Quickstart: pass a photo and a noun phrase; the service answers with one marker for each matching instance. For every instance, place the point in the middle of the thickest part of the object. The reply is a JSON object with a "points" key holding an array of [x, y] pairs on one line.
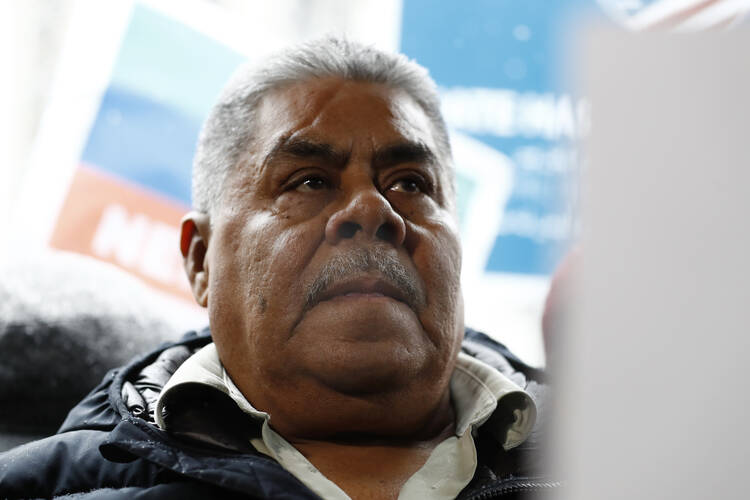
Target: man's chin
{"points": [[360, 352], [359, 318], [366, 369], [361, 346]]}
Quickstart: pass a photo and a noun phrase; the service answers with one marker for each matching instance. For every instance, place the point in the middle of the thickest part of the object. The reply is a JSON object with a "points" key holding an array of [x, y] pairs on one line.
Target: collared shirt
{"points": [[476, 388]]}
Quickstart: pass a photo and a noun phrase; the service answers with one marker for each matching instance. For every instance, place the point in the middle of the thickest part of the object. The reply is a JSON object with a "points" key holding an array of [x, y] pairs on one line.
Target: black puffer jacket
{"points": [[109, 447]]}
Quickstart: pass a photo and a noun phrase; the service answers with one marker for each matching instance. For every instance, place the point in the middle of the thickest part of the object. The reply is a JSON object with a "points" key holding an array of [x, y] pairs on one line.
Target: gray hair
{"points": [[229, 127]]}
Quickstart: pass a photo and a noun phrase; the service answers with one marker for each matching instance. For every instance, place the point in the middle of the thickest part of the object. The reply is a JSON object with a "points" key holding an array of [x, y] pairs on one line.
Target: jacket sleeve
{"points": [[177, 490], [64, 464]]}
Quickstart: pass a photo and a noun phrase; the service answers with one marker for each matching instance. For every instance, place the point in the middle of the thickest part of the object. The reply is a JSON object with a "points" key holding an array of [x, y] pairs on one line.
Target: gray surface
{"points": [[8, 441], [656, 399], [64, 321]]}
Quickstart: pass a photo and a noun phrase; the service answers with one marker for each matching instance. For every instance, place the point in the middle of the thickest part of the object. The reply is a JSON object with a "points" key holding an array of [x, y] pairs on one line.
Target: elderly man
{"points": [[324, 245]]}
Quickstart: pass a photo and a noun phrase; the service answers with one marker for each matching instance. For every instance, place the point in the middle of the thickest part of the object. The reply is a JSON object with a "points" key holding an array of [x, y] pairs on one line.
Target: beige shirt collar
{"points": [[476, 389]]}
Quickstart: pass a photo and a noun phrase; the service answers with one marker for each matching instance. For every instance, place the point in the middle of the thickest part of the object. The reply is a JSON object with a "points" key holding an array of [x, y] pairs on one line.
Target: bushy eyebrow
{"points": [[388, 156], [306, 149], [403, 152]]}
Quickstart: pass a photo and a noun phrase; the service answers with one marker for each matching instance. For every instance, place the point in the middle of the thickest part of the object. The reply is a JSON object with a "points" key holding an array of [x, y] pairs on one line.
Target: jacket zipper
{"points": [[515, 486]]}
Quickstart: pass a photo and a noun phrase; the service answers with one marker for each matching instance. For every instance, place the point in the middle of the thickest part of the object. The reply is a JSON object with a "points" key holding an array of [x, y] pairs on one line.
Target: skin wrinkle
{"points": [[300, 128]]}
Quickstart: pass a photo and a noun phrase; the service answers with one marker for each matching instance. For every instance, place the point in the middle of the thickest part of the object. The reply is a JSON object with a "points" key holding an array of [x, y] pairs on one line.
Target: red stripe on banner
{"points": [[125, 225], [681, 15]]}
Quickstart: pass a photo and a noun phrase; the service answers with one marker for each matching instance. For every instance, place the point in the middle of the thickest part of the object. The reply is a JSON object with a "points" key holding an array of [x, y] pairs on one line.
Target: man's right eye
{"points": [[312, 183]]}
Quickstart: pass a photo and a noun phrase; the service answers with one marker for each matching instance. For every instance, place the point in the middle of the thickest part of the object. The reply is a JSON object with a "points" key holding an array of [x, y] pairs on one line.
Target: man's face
{"points": [[333, 259]]}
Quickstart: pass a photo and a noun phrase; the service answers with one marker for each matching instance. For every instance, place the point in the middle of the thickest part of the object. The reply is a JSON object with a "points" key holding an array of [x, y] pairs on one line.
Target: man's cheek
{"points": [[284, 268], [288, 246], [439, 271], [442, 258]]}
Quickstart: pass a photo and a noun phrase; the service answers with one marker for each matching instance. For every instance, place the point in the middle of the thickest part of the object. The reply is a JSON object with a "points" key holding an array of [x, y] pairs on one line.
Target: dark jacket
{"points": [[109, 446]]}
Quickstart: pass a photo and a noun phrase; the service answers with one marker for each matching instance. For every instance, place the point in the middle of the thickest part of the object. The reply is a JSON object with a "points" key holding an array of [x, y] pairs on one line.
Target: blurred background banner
{"points": [[515, 122], [497, 63], [676, 15], [132, 184], [107, 101]]}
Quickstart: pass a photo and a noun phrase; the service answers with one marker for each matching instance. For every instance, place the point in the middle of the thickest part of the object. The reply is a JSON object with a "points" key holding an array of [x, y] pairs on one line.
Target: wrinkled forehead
{"points": [[344, 113]]}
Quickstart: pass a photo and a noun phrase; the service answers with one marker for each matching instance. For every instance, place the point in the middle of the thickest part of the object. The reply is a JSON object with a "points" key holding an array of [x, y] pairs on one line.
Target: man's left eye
{"points": [[407, 186]]}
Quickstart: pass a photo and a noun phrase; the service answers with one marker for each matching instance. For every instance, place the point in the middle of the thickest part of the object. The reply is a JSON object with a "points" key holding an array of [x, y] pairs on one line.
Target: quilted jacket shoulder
{"points": [[108, 446]]}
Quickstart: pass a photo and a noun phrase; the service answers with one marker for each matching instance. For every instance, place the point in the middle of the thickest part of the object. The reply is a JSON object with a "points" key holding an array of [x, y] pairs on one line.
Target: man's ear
{"points": [[194, 237]]}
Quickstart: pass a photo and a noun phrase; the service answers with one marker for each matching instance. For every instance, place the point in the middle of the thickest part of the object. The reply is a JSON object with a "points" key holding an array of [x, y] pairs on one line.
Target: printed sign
{"points": [[498, 67], [132, 185], [676, 15]]}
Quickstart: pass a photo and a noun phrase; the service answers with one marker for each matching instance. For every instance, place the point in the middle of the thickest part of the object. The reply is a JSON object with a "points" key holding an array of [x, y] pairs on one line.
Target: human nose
{"points": [[369, 214]]}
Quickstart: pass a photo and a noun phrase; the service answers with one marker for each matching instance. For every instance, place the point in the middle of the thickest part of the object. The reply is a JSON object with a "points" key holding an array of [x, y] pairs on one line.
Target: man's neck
{"points": [[371, 468]]}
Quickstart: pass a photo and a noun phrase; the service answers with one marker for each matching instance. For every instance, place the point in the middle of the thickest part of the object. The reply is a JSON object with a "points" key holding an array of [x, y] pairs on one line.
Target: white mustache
{"points": [[362, 260]]}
